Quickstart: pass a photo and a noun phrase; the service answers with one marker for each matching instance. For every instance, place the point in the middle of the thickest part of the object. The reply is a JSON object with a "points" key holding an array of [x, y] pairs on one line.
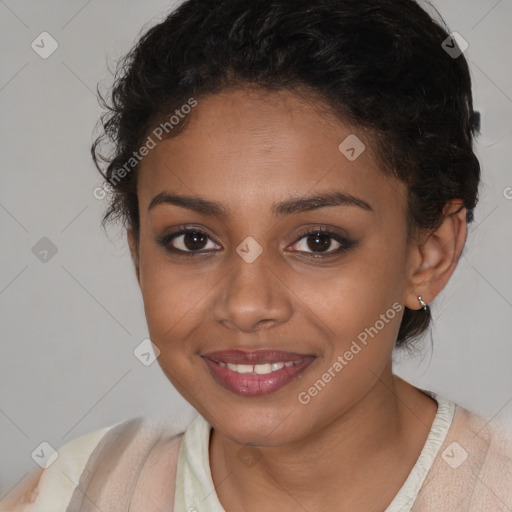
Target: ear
{"points": [[433, 256], [134, 251]]}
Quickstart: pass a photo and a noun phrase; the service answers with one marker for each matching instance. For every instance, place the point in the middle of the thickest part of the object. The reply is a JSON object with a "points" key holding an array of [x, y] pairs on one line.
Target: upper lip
{"points": [[254, 357]]}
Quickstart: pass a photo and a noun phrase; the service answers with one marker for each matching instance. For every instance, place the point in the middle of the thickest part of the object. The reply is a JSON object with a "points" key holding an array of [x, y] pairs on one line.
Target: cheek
{"points": [[173, 296], [173, 299], [353, 295], [360, 308], [360, 311]]}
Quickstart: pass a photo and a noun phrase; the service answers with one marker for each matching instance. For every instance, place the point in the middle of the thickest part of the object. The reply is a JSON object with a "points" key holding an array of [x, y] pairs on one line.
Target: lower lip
{"points": [[247, 384]]}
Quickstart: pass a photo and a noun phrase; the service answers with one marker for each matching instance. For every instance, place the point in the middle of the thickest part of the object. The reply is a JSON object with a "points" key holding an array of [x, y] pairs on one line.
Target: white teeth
{"points": [[263, 369], [258, 369], [242, 368]]}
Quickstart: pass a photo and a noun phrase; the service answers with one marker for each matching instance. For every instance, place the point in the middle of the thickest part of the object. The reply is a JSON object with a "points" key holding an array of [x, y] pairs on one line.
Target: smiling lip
{"points": [[251, 384]]}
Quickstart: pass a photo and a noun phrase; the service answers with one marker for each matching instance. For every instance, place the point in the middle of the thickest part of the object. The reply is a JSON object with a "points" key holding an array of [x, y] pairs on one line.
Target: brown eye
{"points": [[187, 241], [318, 243], [193, 240]]}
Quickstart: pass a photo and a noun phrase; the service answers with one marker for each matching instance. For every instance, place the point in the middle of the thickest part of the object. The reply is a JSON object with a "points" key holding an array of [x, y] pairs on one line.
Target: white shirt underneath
{"points": [[195, 490]]}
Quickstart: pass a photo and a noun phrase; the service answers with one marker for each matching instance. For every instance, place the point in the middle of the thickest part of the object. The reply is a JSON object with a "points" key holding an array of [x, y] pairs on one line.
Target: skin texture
{"points": [[352, 446]]}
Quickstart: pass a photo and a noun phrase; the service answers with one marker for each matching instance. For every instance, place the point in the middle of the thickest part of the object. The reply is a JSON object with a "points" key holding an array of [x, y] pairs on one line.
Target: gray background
{"points": [[70, 324]]}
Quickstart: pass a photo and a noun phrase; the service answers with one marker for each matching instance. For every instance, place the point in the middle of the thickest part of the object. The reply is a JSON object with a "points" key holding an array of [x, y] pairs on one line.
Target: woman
{"points": [[296, 180]]}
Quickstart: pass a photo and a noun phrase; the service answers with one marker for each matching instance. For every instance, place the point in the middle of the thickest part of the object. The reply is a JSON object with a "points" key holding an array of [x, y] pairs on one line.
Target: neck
{"points": [[389, 423]]}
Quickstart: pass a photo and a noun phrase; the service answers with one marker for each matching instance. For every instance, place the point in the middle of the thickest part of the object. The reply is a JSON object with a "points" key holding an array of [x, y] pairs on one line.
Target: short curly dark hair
{"points": [[381, 65]]}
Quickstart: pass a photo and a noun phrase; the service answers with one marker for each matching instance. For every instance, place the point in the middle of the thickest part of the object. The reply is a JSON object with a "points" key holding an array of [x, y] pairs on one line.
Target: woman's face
{"points": [[259, 282]]}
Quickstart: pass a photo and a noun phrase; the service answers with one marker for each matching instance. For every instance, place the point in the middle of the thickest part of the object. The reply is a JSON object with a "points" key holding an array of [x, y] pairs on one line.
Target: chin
{"points": [[258, 428]]}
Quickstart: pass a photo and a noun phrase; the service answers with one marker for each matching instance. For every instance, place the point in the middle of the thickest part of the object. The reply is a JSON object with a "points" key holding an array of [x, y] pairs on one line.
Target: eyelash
{"points": [[345, 243]]}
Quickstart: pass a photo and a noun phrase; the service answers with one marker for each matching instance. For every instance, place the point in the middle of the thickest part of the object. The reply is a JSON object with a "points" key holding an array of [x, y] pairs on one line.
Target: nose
{"points": [[252, 296]]}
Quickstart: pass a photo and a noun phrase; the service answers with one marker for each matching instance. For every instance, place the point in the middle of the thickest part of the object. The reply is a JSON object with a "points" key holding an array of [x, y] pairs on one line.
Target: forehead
{"points": [[246, 146]]}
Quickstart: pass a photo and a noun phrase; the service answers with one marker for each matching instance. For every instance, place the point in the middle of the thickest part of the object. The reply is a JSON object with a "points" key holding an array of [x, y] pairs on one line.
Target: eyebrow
{"points": [[280, 209]]}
